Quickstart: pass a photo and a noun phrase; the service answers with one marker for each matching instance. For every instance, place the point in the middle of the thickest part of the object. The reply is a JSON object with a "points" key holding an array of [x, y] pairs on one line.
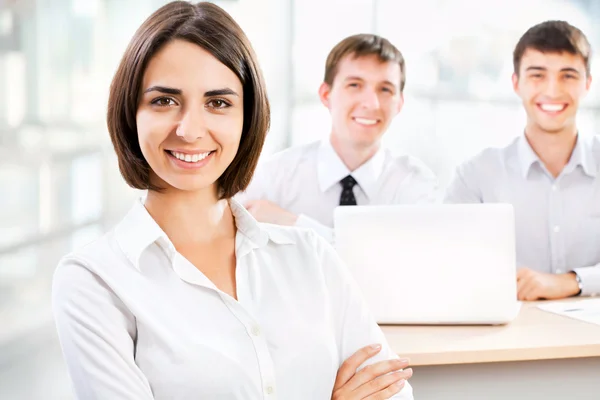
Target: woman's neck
{"points": [[191, 217]]}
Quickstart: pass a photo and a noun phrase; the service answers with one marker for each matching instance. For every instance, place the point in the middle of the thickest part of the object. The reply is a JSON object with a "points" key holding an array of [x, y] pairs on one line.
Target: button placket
{"points": [[554, 208], [255, 332]]}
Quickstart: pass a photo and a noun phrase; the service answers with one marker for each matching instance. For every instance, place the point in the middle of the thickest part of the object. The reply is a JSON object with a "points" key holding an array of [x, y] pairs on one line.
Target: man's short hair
{"points": [[553, 37], [362, 45]]}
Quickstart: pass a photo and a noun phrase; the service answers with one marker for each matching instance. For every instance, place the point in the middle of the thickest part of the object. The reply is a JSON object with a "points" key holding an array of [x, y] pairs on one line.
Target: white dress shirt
{"points": [[557, 220], [306, 181], [136, 320]]}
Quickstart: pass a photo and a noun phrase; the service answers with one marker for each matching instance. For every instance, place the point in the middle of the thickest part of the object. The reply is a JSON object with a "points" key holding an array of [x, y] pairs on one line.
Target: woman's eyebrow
{"points": [[163, 89]]}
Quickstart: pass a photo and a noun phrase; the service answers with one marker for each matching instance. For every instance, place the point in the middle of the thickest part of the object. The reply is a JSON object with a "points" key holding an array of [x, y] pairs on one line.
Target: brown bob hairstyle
{"points": [[210, 27]]}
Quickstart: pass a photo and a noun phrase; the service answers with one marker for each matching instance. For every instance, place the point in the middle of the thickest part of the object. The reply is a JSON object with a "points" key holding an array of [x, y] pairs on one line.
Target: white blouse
{"points": [[136, 320]]}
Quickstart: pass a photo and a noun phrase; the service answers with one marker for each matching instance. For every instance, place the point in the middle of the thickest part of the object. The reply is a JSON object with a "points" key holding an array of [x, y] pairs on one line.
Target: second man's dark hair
{"points": [[553, 37]]}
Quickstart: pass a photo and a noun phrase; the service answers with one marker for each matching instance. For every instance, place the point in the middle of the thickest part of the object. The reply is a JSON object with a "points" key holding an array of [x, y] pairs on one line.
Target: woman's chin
{"points": [[190, 184]]}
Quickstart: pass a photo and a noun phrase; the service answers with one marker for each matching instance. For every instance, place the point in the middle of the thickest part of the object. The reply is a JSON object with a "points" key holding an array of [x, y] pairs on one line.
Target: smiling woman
{"points": [[207, 117], [151, 93], [189, 296]]}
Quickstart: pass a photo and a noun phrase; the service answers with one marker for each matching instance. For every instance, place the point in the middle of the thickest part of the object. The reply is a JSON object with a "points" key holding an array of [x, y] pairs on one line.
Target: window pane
{"points": [[318, 26], [449, 52]]}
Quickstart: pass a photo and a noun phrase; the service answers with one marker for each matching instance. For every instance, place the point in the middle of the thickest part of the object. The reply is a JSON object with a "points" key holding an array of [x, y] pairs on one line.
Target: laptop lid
{"points": [[432, 264]]}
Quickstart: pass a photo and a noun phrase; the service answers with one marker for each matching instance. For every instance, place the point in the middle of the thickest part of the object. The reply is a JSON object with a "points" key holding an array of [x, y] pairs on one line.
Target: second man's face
{"points": [[551, 85], [363, 100]]}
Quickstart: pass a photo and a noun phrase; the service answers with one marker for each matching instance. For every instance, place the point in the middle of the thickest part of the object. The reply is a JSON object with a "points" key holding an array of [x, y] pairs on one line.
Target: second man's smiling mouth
{"points": [[365, 121], [552, 108]]}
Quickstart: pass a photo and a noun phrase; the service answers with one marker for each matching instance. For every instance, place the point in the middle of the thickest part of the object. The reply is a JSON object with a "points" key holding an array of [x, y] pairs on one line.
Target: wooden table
{"points": [[539, 355]]}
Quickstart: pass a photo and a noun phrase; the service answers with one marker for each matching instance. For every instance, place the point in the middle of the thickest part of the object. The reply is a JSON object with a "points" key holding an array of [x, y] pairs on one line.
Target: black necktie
{"points": [[347, 198]]}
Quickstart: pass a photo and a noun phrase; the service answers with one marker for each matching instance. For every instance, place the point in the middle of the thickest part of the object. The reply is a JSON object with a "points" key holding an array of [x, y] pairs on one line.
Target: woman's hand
{"points": [[378, 381]]}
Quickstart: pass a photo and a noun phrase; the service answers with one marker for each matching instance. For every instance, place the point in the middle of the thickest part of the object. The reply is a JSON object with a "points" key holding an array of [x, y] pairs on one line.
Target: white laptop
{"points": [[432, 264]]}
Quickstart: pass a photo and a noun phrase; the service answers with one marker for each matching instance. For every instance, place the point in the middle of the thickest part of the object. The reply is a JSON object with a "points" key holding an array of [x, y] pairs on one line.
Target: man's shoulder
{"points": [[292, 155], [493, 156], [407, 163]]}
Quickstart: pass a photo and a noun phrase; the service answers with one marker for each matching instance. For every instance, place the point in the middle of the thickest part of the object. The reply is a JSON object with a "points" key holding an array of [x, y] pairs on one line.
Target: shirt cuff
{"points": [[590, 280], [305, 221]]}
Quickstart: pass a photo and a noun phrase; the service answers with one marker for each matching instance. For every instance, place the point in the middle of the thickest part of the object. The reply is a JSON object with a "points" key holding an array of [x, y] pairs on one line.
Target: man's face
{"points": [[363, 100], [551, 85]]}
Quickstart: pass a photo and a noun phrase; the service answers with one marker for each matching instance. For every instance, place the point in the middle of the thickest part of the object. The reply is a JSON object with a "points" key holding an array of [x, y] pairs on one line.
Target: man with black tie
{"points": [[363, 90]]}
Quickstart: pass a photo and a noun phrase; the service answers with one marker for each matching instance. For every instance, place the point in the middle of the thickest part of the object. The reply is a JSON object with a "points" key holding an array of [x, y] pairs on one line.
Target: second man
{"points": [[363, 91]]}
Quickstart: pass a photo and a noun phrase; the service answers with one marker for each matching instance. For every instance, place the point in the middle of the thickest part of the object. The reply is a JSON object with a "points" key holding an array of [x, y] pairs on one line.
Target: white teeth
{"points": [[365, 121], [191, 158], [552, 107]]}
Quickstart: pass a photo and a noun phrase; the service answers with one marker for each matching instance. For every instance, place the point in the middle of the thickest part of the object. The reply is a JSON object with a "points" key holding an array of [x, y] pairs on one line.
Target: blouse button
{"points": [[255, 330]]}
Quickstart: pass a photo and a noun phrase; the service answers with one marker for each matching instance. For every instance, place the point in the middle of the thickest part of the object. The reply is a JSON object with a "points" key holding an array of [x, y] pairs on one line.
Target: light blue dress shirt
{"points": [[557, 219]]}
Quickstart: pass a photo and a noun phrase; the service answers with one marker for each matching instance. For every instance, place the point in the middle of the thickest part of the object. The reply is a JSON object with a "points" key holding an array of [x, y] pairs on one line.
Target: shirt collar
{"points": [[331, 169], [138, 230], [255, 235], [582, 155]]}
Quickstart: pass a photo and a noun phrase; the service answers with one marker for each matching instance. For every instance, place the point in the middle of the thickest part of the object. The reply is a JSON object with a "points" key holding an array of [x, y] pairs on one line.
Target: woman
{"points": [[188, 296]]}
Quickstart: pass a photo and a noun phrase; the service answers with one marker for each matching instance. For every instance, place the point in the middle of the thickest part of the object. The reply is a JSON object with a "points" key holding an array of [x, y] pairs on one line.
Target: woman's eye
{"points": [[164, 102], [218, 104]]}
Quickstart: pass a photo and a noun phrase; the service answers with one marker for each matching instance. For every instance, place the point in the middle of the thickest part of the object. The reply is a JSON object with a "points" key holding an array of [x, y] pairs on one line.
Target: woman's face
{"points": [[189, 118]]}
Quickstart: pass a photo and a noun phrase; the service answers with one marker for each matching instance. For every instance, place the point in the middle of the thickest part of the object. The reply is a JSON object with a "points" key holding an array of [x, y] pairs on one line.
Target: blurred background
{"points": [[59, 182]]}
